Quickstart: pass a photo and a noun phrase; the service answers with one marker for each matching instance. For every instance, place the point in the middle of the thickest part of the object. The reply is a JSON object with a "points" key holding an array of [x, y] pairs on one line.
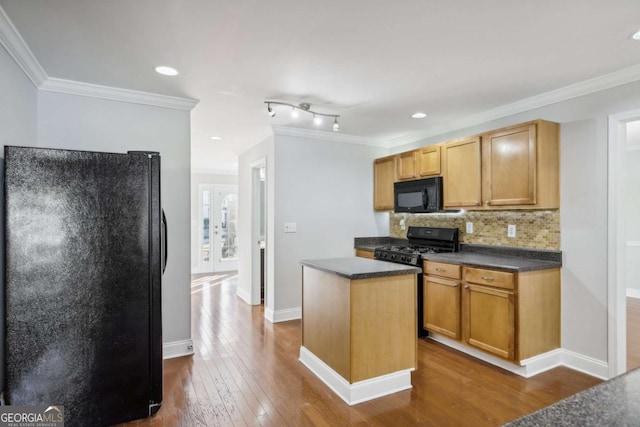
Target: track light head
{"points": [[317, 120], [336, 125], [294, 113], [270, 110]]}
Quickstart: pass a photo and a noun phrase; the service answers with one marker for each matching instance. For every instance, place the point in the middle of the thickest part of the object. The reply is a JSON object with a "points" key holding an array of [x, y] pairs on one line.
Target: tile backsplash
{"points": [[536, 229]]}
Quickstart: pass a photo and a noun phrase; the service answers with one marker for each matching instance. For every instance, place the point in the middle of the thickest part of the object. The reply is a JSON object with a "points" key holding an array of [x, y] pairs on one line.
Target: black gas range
{"points": [[422, 241]]}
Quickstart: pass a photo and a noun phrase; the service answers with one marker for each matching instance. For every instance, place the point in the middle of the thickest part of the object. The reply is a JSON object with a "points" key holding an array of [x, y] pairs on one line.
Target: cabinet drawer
{"points": [[364, 253], [499, 279], [451, 271]]}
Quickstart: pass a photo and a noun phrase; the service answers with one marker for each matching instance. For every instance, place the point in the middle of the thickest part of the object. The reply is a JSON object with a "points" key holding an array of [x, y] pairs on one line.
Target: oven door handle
{"points": [[425, 198]]}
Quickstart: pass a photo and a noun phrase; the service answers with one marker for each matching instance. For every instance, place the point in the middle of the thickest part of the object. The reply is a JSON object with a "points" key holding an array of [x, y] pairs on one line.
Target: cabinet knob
{"points": [[487, 278], [466, 286], [478, 203], [455, 285], [440, 269], [487, 202]]}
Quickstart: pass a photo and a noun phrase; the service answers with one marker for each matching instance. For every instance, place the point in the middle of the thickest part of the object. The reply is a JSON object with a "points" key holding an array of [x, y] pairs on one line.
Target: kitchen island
{"points": [[359, 325]]}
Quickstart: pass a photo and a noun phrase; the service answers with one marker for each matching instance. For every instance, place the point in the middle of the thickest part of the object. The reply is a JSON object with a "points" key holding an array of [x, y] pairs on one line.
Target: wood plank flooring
{"points": [[633, 333], [246, 373]]}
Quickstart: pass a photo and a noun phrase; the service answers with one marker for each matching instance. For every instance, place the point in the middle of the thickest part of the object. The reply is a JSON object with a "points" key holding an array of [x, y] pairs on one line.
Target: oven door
{"points": [[420, 196]]}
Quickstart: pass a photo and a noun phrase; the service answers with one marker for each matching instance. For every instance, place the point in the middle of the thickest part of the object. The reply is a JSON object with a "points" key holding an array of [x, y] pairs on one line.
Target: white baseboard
{"points": [[177, 349], [361, 391], [244, 295], [534, 365], [633, 293], [283, 315]]}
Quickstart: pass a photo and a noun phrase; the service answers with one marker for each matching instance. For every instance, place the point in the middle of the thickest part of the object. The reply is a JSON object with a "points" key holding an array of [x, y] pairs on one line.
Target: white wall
{"points": [[247, 246], [583, 207], [83, 123], [196, 180]]}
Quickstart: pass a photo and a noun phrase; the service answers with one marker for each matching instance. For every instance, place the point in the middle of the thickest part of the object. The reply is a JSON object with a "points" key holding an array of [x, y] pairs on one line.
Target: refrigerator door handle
{"points": [[165, 240]]}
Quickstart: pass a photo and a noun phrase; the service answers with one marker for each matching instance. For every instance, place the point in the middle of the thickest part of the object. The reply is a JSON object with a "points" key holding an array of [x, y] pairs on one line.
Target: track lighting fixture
{"points": [[317, 117]]}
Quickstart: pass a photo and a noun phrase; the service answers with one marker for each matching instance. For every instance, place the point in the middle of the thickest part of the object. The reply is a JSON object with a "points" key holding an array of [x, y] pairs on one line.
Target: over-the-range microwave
{"points": [[419, 196]]}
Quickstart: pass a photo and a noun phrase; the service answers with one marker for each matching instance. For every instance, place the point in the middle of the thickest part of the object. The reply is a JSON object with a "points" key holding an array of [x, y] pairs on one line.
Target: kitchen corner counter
{"points": [[612, 403], [354, 268], [509, 263]]}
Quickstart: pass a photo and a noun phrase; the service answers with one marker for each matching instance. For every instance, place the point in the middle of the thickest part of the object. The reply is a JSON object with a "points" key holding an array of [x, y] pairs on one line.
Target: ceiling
{"points": [[373, 62]]}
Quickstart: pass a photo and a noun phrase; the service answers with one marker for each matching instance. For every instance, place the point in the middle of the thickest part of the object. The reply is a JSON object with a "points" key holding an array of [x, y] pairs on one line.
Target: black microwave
{"points": [[419, 196]]}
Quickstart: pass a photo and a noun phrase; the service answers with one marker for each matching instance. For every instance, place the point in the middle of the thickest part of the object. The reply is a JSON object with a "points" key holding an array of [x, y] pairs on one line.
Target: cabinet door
{"points": [[442, 306], [429, 161], [509, 166], [384, 174], [407, 165], [489, 320], [462, 185]]}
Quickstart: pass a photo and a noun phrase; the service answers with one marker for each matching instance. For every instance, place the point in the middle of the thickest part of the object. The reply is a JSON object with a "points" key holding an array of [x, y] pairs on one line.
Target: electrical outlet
{"points": [[469, 227], [289, 227], [402, 224], [511, 230]]}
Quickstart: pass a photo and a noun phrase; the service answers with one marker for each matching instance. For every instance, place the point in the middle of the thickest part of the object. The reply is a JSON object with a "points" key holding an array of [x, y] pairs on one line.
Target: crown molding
{"points": [[327, 136], [585, 87], [17, 48], [53, 84]]}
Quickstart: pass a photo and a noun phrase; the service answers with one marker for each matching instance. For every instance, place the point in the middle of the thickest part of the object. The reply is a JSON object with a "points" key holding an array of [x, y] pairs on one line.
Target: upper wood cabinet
{"points": [[520, 166], [461, 173], [429, 161], [407, 165], [384, 175]]}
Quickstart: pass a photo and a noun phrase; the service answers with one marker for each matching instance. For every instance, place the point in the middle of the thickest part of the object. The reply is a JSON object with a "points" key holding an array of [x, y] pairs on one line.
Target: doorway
{"points": [[217, 219], [259, 293], [624, 242]]}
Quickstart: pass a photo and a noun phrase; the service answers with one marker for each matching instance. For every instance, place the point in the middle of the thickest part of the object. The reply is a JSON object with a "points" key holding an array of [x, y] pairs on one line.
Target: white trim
{"points": [[327, 136], [585, 87], [534, 365], [588, 365], [282, 315], [361, 391], [15, 45], [177, 349], [633, 243], [244, 295], [53, 84], [633, 293]]}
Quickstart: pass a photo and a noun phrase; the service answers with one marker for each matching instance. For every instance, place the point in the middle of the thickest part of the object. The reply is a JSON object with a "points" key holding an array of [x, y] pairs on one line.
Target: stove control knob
{"points": [[393, 256]]}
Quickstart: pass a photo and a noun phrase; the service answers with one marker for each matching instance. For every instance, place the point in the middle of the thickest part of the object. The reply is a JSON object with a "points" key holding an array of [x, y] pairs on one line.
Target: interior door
{"points": [[224, 220]]}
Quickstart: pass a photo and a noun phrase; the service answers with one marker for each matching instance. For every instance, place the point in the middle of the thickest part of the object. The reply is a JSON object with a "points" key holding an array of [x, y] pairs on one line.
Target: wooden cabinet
{"points": [[511, 315], [364, 253], [407, 165], [520, 166], [384, 175], [489, 313], [461, 173], [442, 299], [429, 161]]}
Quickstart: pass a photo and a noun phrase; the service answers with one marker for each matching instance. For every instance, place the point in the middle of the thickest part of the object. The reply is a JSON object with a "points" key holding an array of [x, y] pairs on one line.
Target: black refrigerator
{"points": [[85, 249]]}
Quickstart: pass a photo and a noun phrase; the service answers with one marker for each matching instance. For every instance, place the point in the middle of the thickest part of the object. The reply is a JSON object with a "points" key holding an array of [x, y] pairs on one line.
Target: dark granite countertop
{"points": [[509, 263], [360, 268], [371, 243], [612, 403]]}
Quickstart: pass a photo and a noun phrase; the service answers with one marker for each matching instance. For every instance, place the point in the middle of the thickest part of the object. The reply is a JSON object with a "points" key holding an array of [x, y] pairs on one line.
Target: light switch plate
{"points": [[289, 227], [511, 230], [402, 224], [469, 227]]}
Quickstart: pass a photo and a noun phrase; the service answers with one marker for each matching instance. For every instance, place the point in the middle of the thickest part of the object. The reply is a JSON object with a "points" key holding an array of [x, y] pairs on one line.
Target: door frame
{"points": [[255, 237], [231, 265], [209, 268], [616, 274]]}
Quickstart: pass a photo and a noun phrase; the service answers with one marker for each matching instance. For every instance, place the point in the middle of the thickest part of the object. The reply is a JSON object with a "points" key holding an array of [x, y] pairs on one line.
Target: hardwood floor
{"points": [[246, 373], [633, 333]]}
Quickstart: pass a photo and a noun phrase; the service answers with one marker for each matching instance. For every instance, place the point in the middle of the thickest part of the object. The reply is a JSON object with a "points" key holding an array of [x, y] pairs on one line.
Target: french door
{"points": [[218, 219]]}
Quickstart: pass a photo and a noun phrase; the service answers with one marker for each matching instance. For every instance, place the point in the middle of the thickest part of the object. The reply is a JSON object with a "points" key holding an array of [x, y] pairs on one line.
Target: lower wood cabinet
{"points": [[512, 315]]}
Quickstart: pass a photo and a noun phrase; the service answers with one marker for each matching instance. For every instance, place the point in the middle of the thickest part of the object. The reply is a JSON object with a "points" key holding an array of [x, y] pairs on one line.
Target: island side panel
{"points": [[325, 318], [383, 326]]}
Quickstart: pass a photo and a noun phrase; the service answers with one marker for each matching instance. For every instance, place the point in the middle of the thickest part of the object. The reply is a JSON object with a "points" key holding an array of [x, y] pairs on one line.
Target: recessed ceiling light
{"points": [[166, 71], [419, 115], [636, 35], [215, 138]]}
